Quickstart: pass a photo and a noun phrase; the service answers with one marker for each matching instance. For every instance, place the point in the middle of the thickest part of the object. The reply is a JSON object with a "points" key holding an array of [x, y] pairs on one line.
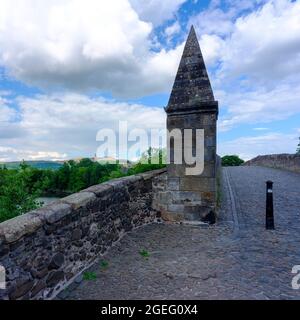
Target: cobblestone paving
{"points": [[235, 259]]}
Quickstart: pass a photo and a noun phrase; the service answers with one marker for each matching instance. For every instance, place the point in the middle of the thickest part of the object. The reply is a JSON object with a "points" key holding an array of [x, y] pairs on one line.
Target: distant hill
{"points": [[35, 164], [112, 160], [44, 164]]}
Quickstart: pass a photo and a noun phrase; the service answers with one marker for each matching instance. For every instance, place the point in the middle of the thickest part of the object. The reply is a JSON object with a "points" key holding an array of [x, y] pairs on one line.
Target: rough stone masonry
{"points": [[191, 106], [44, 250], [290, 162]]}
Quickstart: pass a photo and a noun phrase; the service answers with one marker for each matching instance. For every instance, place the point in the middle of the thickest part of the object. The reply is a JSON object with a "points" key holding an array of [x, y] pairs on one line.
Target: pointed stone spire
{"points": [[192, 85]]}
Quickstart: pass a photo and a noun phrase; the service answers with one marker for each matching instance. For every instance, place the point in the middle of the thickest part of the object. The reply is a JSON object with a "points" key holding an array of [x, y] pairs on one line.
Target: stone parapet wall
{"points": [[44, 250], [289, 162]]}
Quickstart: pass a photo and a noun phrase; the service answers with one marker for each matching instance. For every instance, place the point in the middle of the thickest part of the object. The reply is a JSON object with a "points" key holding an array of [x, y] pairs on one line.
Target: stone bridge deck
{"points": [[235, 259]]}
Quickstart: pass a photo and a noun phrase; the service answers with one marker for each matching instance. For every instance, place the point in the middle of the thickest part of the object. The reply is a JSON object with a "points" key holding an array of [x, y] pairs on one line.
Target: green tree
{"points": [[232, 161], [154, 156], [113, 171], [21, 186], [15, 198], [63, 176], [298, 147], [78, 179]]}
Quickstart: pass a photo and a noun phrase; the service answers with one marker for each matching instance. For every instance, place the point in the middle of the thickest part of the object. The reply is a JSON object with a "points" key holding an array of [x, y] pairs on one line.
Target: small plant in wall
{"points": [[144, 253], [104, 265], [89, 275]]}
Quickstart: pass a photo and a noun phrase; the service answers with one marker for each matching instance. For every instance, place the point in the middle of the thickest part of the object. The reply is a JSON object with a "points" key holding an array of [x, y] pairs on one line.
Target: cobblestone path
{"points": [[234, 259]]}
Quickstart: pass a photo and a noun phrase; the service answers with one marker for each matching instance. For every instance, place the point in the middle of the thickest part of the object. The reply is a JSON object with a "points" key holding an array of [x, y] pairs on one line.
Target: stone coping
{"points": [[194, 107], [20, 226], [274, 157], [290, 162]]}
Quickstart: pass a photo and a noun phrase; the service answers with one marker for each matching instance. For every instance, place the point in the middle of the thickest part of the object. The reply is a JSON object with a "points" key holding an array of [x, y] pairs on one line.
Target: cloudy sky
{"points": [[71, 67]]}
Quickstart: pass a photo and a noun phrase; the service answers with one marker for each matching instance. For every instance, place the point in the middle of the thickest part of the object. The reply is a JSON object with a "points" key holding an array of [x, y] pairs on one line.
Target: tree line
{"points": [[20, 188]]}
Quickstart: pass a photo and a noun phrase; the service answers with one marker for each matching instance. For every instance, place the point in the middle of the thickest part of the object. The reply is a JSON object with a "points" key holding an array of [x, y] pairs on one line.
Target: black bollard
{"points": [[269, 207]]}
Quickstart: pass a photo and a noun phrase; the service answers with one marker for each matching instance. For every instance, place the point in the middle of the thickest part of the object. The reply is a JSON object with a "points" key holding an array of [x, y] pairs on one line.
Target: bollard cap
{"points": [[269, 183]]}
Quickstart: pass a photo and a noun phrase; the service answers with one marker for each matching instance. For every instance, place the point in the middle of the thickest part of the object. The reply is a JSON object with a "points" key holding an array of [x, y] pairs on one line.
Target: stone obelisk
{"points": [[192, 106]]}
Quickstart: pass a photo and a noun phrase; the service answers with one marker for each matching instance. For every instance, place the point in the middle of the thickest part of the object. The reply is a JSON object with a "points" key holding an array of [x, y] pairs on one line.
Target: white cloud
{"points": [[85, 45], [6, 113], [249, 147], [260, 129], [212, 48], [260, 39], [253, 51], [219, 19], [65, 126], [214, 21], [9, 154], [156, 11], [40, 155], [172, 30], [265, 45], [260, 106]]}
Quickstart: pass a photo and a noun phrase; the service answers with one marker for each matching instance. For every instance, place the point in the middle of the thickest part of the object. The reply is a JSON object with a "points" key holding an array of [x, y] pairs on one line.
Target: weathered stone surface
{"points": [[210, 141], [54, 212], [21, 288], [44, 249], [39, 274], [57, 261], [176, 208], [4, 249], [210, 169], [100, 189], [197, 211], [76, 234], [192, 82], [172, 216], [176, 170], [208, 197], [15, 228], [209, 155], [40, 285], [152, 174], [79, 279], [185, 197], [54, 277], [162, 197], [79, 200], [192, 121], [173, 184], [131, 179], [198, 184], [117, 184], [289, 162]]}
